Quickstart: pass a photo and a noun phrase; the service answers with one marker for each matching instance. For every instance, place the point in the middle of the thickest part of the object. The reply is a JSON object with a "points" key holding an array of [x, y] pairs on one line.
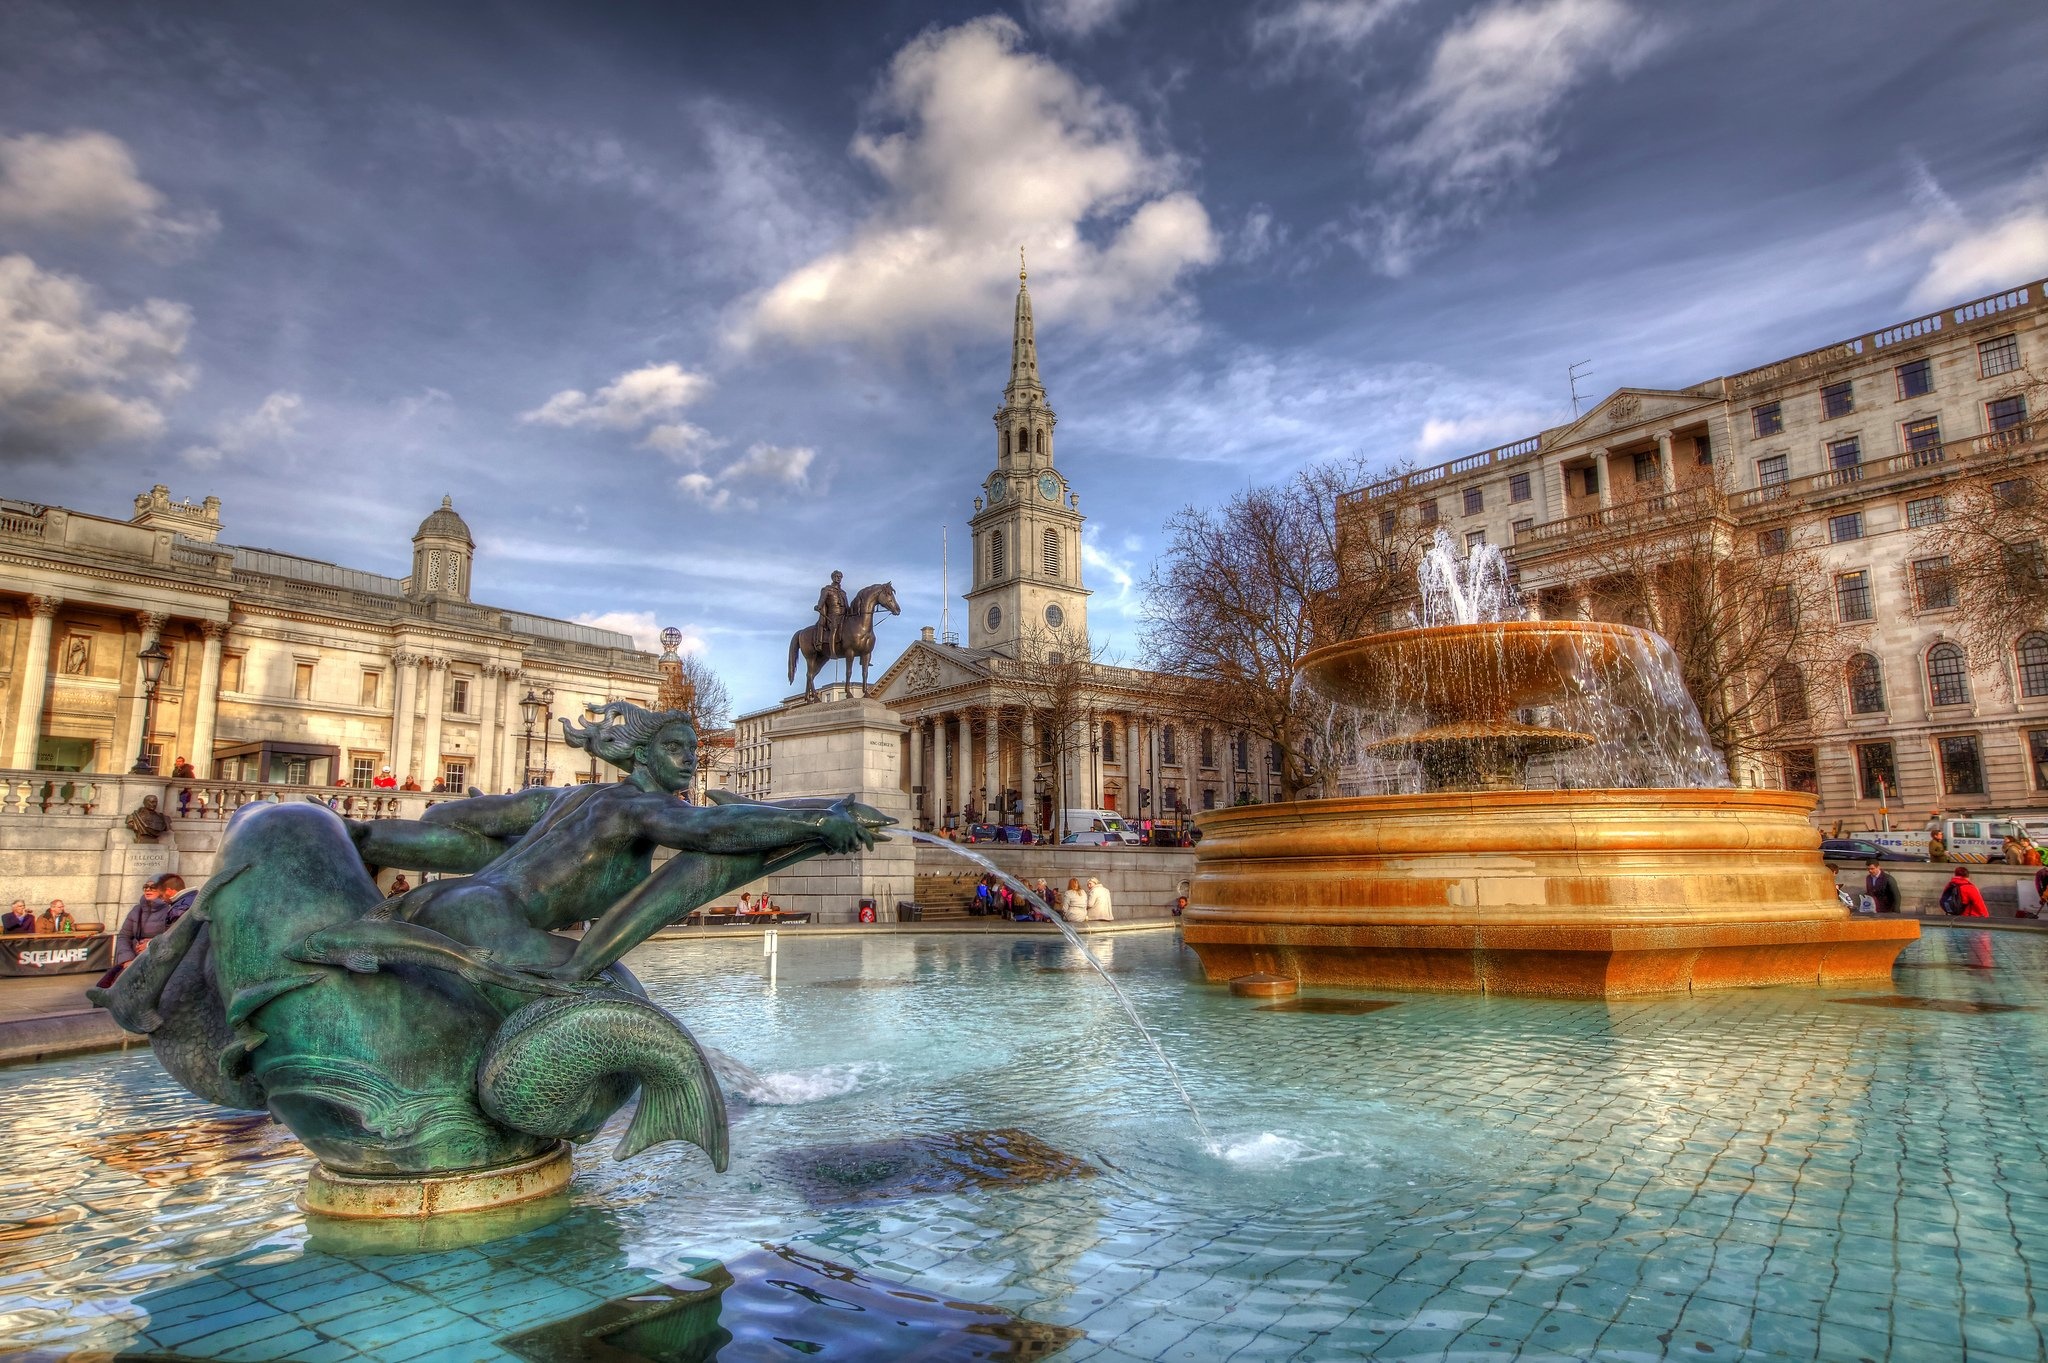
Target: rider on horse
{"points": [[831, 610]]}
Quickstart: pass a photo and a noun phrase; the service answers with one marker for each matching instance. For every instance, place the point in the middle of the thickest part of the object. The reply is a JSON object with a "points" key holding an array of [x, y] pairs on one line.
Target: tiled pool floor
{"points": [[1768, 1174]]}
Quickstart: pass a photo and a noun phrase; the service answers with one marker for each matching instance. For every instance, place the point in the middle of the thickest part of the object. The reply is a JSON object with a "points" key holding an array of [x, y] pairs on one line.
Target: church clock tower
{"points": [[1027, 522]]}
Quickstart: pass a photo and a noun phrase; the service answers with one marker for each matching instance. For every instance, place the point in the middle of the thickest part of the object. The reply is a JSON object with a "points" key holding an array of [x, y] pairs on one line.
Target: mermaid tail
{"points": [[560, 1066]]}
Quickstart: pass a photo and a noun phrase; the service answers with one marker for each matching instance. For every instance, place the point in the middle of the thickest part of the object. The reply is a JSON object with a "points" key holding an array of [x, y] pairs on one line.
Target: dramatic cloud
{"points": [[982, 147], [274, 422], [73, 375], [647, 402], [1305, 31], [1971, 253], [762, 469], [1483, 118], [86, 181]]}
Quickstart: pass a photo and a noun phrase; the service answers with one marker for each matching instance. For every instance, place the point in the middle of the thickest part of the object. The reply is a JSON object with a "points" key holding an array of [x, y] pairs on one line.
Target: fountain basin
{"points": [[1476, 671], [1578, 893]]}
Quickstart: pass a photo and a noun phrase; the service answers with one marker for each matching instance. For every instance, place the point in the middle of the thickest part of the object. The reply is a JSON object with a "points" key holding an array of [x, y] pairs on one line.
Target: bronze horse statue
{"points": [[856, 638]]}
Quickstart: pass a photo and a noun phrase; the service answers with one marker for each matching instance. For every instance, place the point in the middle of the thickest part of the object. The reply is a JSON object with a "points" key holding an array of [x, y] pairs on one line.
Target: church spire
{"points": [[1024, 384]]}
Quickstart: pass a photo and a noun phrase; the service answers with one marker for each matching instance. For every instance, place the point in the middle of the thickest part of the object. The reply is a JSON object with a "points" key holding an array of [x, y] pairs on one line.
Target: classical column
{"points": [[963, 774], [206, 705], [152, 624], [404, 691], [484, 778], [916, 769], [1027, 764], [35, 674], [1606, 480], [992, 765], [1665, 465], [437, 701], [939, 782]]}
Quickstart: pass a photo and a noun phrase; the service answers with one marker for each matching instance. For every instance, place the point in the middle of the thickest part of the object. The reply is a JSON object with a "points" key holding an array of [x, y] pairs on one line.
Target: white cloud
{"points": [[1975, 253], [644, 628], [88, 180], [1308, 30], [73, 375], [1077, 18], [274, 422], [1483, 118], [647, 400], [1104, 562], [1479, 431], [763, 468], [981, 147]]}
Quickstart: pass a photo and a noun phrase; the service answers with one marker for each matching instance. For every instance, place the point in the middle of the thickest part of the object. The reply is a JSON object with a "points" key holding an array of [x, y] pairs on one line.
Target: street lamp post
{"points": [[153, 659], [529, 713], [547, 722]]}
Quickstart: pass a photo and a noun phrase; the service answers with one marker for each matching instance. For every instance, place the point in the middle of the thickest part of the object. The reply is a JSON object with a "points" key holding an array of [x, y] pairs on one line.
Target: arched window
{"points": [[1866, 685], [1108, 741], [2034, 665], [1051, 554], [1041, 442], [1948, 676], [995, 555]]}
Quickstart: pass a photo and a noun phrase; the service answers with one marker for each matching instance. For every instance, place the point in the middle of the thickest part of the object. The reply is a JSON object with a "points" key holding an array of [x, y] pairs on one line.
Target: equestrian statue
{"points": [[845, 630]]}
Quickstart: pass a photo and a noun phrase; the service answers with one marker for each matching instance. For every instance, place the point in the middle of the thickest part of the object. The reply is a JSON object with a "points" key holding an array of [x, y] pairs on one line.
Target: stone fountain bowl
{"points": [[1471, 672], [1572, 893]]}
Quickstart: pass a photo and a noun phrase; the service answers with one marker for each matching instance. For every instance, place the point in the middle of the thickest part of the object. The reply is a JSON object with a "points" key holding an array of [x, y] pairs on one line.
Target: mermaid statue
{"points": [[455, 1029]]}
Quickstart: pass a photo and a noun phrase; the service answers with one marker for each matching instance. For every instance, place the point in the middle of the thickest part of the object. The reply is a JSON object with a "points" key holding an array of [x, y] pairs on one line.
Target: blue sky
{"points": [[688, 304]]}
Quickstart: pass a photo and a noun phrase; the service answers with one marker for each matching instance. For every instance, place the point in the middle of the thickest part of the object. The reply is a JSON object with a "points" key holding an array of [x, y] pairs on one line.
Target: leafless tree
{"points": [[688, 684], [1245, 591], [1056, 677]]}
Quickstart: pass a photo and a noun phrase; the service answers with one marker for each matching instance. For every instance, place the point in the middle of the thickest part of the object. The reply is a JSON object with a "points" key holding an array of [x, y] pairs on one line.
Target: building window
{"points": [[2033, 653], [373, 686], [1771, 471], [1590, 480], [1387, 522], [1852, 596], [1475, 500], [1837, 399], [1772, 541], [1916, 379], [1845, 454], [1473, 539], [1788, 694], [1876, 777], [1208, 797], [1800, 771], [1948, 675], [1049, 553], [1426, 511], [2007, 493], [302, 681], [1273, 756], [458, 696], [1208, 747], [1168, 752], [996, 561], [1962, 765], [1523, 527], [361, 771], [231, 667], [1934, 587], [1922, 435], [1768, 419], [1241, 752], [1518, 487], [2037, 750], [1646, 466], [1999, 355], [1848, 526], [455, 775], [1866, 685], [1108, 741], [1703, 451], [2005, 413], [1921, 511], [1779, 611]]}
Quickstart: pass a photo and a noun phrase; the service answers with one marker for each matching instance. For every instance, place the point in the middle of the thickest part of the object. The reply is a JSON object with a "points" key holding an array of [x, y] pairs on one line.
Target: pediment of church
{"points": [[1627, 412], [926, 668]]}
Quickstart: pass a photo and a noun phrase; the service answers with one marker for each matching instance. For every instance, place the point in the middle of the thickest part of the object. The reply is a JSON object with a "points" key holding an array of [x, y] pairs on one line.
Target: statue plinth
{"points": [[361, 1197], [844, 744]]}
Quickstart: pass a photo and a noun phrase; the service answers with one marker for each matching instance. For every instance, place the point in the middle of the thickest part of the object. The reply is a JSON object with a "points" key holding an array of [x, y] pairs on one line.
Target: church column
{"points": [[939, 758], [134, 740], [206, 706], [1027, 765], [991, 764], [404, 688], [917, 770], [430, 755], [963, 771], [35, 674]]}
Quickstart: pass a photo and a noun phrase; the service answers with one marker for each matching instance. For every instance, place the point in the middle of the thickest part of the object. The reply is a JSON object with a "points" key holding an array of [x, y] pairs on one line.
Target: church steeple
{"points": [[1024, 423], [1024, 388]]}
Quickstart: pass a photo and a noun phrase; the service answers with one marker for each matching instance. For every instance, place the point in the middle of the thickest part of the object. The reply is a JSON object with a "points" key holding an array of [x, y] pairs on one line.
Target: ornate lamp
{"points": [[152, 659]]}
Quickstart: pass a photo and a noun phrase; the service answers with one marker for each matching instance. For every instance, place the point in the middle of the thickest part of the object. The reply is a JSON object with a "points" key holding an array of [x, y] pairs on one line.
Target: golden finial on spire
{"points": [[1020, 265]]}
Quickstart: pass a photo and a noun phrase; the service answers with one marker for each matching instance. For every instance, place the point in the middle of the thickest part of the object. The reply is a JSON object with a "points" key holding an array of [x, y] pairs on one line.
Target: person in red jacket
{"points": [[1973, 899]]}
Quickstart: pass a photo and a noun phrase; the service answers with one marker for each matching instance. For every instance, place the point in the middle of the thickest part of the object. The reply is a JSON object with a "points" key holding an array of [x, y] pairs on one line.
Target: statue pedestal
{"points": [[844, 745], [360, 1197]]}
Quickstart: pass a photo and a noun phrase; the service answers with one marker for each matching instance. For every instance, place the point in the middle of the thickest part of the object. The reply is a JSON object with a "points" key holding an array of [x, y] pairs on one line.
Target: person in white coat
{"points": [[1098, 901], [1073, 905]]}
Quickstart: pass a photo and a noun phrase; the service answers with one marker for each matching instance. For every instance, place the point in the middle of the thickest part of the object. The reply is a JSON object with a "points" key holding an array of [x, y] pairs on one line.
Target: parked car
{"points": [[1860, 849], [1092, 838]]}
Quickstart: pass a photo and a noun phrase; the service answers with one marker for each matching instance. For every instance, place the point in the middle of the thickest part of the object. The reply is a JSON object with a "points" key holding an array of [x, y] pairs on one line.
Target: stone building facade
{"points": [[281, 668], [1844, 450]]}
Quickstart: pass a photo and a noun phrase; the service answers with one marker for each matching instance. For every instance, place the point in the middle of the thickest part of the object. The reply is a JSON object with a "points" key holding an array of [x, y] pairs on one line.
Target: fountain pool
{"points": [[962, 1148]]}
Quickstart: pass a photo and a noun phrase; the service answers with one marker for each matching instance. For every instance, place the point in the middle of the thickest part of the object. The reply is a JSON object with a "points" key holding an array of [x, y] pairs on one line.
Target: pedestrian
{"points": [[1961, 899], [56, 918], [1074, 904], [386, 781], [150, 917], [1098, 901], [400, 885], [440, 785], [1882, 889], [181, 770], [982, 896], [2040, 889], [2013, 849], [1180, 905], [411, 783], [17, 918], [184, 802]]}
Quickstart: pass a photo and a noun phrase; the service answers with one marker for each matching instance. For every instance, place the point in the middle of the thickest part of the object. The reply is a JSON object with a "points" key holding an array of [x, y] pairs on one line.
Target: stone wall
{"points": [[2005, 891], [1143, 881]]}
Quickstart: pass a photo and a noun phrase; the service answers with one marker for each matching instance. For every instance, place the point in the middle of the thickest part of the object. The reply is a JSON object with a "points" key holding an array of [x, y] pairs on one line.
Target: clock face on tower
{"points": [[1049, 487], [997, 490]]}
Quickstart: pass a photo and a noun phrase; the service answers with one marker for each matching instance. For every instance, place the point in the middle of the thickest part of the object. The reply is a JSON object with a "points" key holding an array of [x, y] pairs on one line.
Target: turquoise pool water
{"points": [[1806, 1174]]}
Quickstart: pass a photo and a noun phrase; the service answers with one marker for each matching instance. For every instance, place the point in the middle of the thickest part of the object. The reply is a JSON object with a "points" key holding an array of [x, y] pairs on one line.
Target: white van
{"points": [[1972, 840], [1106, 821]]}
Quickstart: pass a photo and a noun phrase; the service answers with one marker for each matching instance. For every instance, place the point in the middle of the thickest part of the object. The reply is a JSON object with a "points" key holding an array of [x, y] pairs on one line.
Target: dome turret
{"points": [[441, 552]]}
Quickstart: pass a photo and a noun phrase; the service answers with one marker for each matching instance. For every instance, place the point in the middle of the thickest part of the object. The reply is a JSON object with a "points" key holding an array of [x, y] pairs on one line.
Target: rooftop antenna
{"points": [[1573, 373]]}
